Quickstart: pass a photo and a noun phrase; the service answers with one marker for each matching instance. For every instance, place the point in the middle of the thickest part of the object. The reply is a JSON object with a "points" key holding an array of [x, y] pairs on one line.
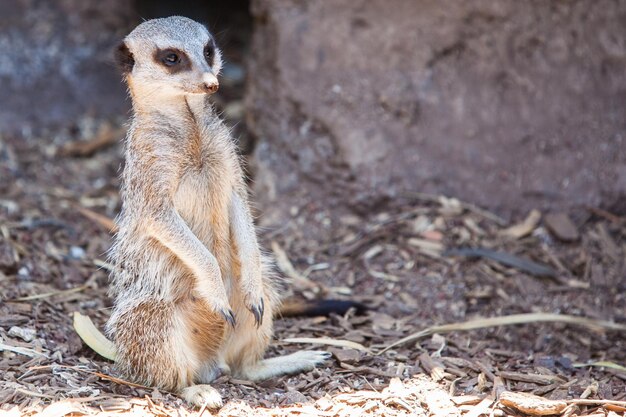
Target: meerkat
{"points": [[193, 294]]}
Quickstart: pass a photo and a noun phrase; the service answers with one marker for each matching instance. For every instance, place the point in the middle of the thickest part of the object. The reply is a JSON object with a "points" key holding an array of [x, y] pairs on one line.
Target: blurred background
{"points": [[509, 105], [435, 159]]}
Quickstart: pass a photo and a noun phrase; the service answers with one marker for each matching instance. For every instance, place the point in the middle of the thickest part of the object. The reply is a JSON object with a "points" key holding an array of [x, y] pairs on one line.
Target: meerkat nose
{"points": [[210, 83], [210, 87]]}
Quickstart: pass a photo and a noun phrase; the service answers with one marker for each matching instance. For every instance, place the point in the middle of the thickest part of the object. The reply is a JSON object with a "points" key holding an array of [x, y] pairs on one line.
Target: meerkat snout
{"points": [[210, 83]]}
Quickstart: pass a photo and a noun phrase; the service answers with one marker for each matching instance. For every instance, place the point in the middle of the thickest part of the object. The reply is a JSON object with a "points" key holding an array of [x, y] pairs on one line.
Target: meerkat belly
{"points": [[203, 204]]}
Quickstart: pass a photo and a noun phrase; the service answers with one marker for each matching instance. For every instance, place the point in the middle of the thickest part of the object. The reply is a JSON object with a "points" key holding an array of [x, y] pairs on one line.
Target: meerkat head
{"points": [[173, 55]]}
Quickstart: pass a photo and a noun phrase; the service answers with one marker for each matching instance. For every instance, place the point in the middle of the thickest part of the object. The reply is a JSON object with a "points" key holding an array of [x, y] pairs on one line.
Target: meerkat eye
{"points": [[174, 60], [208, 54], [171, 59]]}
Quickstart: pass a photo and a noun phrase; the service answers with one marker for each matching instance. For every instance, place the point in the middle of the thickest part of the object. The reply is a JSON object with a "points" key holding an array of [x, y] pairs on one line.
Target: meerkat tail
{"points": [[313, 308]]}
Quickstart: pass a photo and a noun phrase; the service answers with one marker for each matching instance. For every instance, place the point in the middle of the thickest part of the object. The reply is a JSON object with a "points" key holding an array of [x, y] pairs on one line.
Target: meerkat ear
{"points": [[124, 58]]}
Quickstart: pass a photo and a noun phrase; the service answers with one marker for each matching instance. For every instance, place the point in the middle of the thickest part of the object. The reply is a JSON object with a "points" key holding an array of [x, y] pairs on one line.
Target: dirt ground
{"points": [[399, 260]]}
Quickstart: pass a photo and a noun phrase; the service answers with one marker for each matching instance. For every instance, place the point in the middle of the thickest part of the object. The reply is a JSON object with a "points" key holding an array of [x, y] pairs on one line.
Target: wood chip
{"points": [[349, 356], [466, 399], [435, 368], [531, 404], [482, 408], [533, 378]]}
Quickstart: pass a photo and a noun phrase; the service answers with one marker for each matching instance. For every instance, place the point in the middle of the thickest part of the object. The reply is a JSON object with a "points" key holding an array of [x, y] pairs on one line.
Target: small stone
{"points": [[23, 333], [562, 227], [77, 252], [23, 272], [565, 362], [295, 397], [156, 395]]}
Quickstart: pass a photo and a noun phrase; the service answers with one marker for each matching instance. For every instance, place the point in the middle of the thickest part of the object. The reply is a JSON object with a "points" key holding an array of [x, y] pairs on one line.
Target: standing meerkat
{"points": [[193, 295]]}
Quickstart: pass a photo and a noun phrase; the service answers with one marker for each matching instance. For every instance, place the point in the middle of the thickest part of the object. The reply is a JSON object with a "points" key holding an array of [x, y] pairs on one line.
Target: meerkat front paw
{"points": [[217, 301], [255, 303], [257, 310], [200, 395], [229, 317], [252, 290]]}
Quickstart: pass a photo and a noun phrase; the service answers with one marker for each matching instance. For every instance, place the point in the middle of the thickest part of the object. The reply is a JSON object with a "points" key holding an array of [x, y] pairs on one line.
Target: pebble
{"points": [[23, 333], [562, 227], [295, 397], [77, 252]]}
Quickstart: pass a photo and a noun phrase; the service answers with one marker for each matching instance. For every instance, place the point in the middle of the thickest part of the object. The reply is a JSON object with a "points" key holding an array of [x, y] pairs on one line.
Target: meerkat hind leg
{"points": [[304, 360]]}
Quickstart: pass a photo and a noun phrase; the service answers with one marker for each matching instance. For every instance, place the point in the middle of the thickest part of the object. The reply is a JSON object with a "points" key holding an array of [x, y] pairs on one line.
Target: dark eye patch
{"points": [[174, 60], [209, 52]]}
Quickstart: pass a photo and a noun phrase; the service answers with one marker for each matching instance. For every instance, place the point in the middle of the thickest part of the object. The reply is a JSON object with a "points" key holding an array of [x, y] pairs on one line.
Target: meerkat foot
{"points": [[304, 360], [200, 395]]}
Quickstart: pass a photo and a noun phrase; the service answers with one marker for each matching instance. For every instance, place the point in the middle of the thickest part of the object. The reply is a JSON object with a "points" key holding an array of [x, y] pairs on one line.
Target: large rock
{"points": [[56, 62], [511, 105]]}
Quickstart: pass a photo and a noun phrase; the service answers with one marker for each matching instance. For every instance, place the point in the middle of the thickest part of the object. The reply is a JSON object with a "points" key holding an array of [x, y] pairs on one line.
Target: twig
{"points": [[98, 218], [51, 294], [22, 351], [482, 323], [106, 136], [596, 402]]}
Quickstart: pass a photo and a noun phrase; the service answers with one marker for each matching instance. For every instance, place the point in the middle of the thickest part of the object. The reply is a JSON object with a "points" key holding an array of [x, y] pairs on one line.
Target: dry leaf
{"points": [[93, 337], [328, 342], [601, 364], [285, 265], [524, 228]]}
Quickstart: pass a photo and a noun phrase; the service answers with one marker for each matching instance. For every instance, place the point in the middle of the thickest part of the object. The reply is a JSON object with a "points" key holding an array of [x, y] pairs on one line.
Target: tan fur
{"points": [[186, 254]]}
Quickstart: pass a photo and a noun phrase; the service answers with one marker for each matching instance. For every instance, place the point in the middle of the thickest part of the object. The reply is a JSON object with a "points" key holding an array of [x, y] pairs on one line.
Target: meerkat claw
{"points": [[229, 317], [258, 311]]}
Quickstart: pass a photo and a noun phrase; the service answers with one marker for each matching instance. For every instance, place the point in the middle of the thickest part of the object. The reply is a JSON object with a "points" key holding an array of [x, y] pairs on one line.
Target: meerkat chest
{"points": [[202, 200]]}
